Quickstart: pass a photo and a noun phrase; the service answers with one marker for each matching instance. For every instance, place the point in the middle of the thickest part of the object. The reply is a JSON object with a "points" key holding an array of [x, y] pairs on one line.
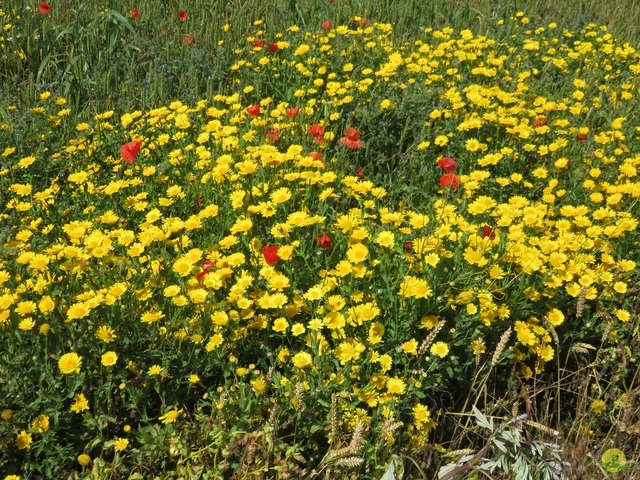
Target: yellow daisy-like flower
{"points": [[439, 349], [41, 423], [395, 386], [80, 403], [170, 417], [84, 459], [120, 444], [23, 440], [109, 359], [106, 334], [70, 363]]}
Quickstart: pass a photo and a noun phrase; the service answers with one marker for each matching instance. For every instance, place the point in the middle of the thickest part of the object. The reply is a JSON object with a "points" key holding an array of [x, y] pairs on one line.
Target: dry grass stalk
{"points": [[357, 439], [581, 300], [502, 345], [333, 422], [554, 334], [349, 462], [426, 343]]}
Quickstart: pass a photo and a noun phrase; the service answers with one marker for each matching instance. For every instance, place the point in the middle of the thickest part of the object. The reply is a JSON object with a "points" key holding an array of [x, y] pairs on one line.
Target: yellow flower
{"points": [[301, 360], [155, 370], [6, 414], [395, 386], [357, 253], [410, 347], [106, 334], [40, 423], [193, 378], [70, 363], [109, 359], [556, 317], [597, 406], [440, 349], [120, 444], [80, 403], [84, 459], [23, 440], [385, 239], [170, 417]]}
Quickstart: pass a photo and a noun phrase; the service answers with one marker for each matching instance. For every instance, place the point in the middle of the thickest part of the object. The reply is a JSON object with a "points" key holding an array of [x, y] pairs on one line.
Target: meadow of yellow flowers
{"points": [[254, 258]]}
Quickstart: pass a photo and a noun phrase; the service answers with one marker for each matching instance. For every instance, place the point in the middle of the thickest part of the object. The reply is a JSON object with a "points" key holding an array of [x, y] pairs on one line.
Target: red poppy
{"points": [[582, 139], [408, 245], [134, 13], [487, 231], [273, 134], [317, 131], [360, 172], [199, 201], [254, 110], [182, 15], [129, 151], [450, 180], [273, 47], [44, 8], [315, 155], [207, 267], [188, 40], [362, 22], [293, 112], [163, 32], [270, 253], [259, 43], [326, 25], [448, 164], [540, 122], [351, 138], [324, 240]]}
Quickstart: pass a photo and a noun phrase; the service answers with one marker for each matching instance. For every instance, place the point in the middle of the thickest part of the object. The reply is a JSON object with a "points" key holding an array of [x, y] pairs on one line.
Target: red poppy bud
{"points": [[254, 110], [134, 13], [293, 112], [582, 139], [182, 15], [260, 43], [273, 47], [360, 172], [315, 155], [450, 180], [408, 245], [324, 241], [326, 25], [44, 8], [270, 253], [129, 151], [199, 201], [448, 164], [487, 231]]}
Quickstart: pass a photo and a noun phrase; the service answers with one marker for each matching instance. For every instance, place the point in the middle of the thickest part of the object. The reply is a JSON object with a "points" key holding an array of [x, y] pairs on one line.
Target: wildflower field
{"points": [[241, 244]]}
